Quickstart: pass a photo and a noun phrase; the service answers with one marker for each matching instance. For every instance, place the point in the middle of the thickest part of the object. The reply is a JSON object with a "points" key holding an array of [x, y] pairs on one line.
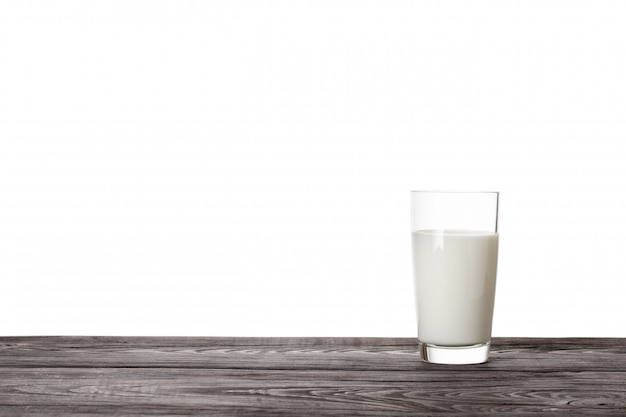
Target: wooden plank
{"points": [[305, 390], [147, 411], [397, 354], [80, 376]]}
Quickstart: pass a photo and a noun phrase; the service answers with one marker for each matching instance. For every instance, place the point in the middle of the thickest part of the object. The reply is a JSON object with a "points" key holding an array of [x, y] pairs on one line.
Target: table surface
{"points": [[141, 376]]}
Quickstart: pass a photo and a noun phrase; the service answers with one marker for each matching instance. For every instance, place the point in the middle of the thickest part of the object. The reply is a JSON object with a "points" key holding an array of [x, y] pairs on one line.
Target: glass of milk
{"points": [[455, 256]]}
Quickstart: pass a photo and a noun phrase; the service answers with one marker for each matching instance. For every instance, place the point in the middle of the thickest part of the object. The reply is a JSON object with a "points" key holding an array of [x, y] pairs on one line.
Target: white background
{"points": [[243, 167]]}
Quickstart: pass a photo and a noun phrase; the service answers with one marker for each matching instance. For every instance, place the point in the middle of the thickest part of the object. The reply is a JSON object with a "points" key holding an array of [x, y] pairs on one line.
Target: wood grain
{"points": [[76, 376]]}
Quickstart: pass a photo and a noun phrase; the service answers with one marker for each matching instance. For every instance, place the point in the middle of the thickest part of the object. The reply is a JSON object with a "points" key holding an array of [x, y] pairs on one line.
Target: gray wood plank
{"points": [[304, 390], [80, 376], [397, 354]]}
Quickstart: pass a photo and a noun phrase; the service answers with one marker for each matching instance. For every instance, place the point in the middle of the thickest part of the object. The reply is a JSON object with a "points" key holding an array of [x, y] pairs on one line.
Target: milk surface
{"points": [[455, 282]]}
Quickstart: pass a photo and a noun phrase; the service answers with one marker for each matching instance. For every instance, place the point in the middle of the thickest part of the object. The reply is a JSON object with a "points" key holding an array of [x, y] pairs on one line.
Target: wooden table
{"points": [[135, 376]]}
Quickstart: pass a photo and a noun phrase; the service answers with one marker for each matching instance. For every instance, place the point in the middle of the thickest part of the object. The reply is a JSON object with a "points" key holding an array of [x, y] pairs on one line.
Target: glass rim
{"points": [[454, 192]]}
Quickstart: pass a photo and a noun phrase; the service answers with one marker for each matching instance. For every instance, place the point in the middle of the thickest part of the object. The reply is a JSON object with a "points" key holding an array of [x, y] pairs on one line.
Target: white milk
{"points": [[455, 283]]}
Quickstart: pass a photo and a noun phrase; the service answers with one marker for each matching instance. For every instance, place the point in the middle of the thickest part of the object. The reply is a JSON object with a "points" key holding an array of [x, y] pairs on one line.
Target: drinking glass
{"points": [[455, 256]]}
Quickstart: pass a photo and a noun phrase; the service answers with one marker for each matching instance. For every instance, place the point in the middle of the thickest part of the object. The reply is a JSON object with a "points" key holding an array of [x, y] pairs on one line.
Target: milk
{"points": [[455, 282]]}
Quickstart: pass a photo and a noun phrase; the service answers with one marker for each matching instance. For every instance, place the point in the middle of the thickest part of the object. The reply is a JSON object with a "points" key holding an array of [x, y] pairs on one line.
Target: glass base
{"points": [[455, 355]]}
